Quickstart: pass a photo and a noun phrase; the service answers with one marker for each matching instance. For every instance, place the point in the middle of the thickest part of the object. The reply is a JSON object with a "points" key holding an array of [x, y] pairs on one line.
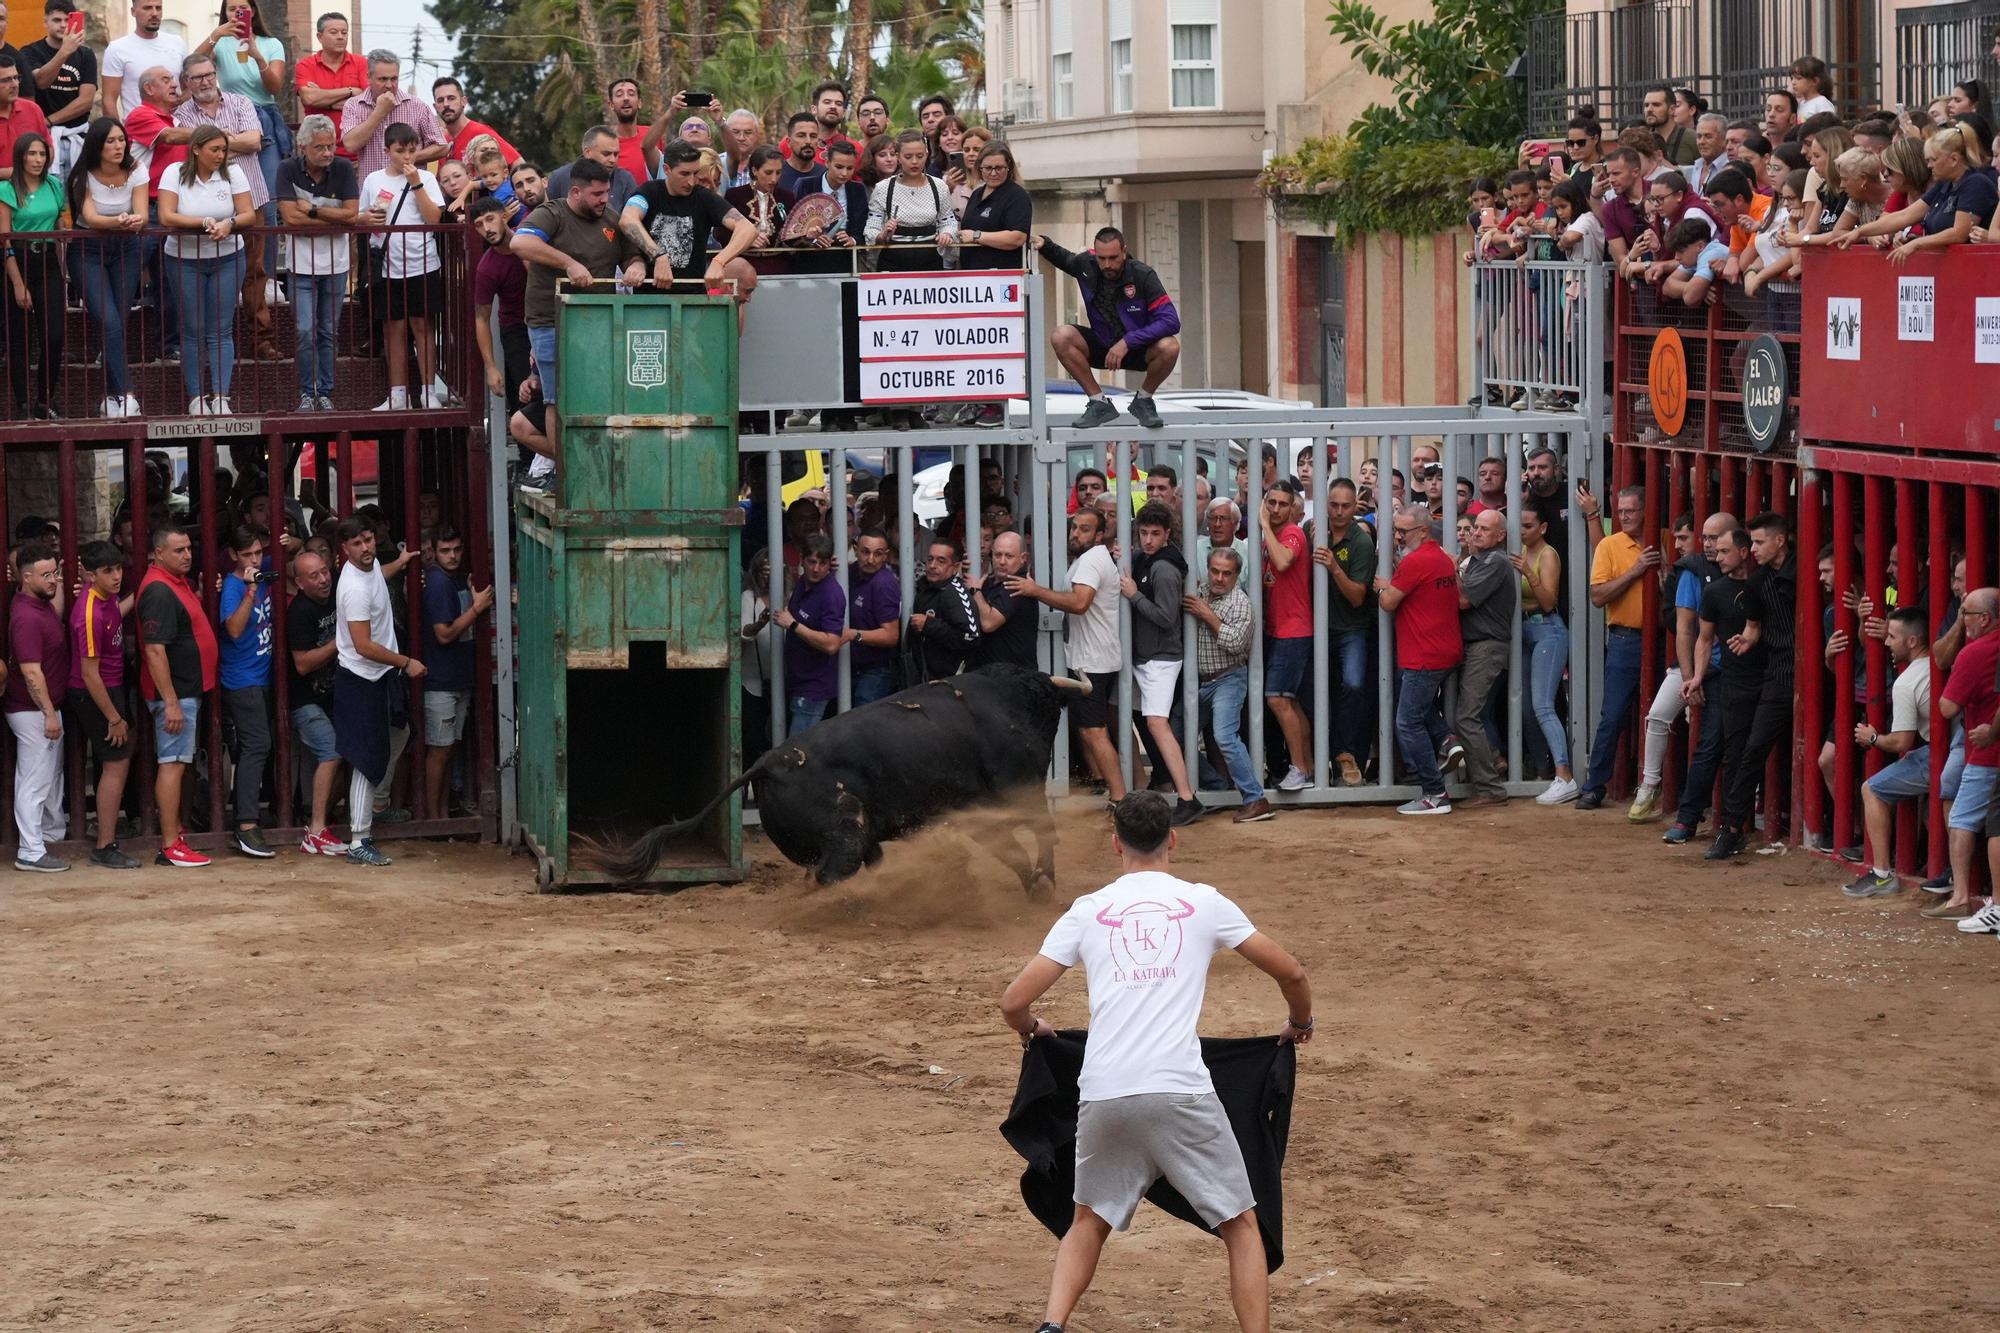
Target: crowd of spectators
{"points": [[129, 659]]}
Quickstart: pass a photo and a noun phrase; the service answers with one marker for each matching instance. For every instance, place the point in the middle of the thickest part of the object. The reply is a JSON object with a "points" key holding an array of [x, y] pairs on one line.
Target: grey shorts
{"points": [[1124, 1144]]}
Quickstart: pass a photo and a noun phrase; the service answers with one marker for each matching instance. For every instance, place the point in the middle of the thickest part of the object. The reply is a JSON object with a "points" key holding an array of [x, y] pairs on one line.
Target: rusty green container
{"points": [[630, 591]]}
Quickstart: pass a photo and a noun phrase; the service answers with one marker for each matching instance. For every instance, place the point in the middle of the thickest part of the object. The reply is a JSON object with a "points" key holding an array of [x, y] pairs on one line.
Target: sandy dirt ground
{"points": [[1566, 1079]]}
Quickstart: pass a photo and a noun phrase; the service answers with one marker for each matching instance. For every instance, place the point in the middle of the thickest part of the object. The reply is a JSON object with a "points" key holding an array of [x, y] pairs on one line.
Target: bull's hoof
{"points": [[1042, 887]]}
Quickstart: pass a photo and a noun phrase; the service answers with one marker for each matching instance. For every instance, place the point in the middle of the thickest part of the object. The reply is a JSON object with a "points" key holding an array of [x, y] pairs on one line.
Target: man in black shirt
{"points": [[670, 221], [941, 633], [1007, 622], [309, 639], [60, 74], [1751, 732]]}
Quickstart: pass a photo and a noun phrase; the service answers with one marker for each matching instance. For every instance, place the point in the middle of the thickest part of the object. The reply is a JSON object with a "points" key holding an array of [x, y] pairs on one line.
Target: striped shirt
{"points": [[96, 629]]}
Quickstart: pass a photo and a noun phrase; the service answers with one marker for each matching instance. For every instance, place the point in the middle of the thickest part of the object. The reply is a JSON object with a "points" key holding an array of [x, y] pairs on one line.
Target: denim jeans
{"points": [[316, 301], [206, 291], [277, 147], [153, 264], [1222, 707], [872, 684], [803, 713], [1353, 692], [1420, 729], [543, 342], [1548, 640], [1621, 688], [1706, 761], [109, 272]]}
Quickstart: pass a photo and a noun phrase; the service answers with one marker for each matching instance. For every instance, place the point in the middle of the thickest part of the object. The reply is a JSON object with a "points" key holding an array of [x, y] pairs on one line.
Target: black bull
{"points": [[833, 795]]}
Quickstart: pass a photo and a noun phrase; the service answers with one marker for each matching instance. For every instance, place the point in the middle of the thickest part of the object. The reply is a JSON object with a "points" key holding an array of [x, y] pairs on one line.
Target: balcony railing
{"points": [[1940, 45], [1562, 60], [60, 382], [1754, 42], [1651, 42]]}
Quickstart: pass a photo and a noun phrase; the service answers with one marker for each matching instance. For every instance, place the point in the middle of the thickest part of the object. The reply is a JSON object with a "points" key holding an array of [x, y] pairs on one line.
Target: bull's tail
{"points": [[634, 861]]}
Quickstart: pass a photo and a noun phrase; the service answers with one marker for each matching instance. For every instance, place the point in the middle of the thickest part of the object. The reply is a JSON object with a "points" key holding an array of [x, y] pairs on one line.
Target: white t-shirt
{"points": [[211, 198], [110, 201], [411, 254], [1093, 636], [1812, 106], [363, 595], [1910, 699], [132, 55], [1591, 248], [1145, 941]]}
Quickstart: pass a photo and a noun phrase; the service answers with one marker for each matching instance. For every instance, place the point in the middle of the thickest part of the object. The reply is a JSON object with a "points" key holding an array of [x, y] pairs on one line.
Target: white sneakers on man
{"points": [[1986, 921]]}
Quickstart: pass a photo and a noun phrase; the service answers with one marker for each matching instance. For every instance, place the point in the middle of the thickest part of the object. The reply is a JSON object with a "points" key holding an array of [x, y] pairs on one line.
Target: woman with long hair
{"points": [[911, 213], [108, 196], [205, 201], [31, 210], [763, 200], [1545, 636], [878, 160], [1909, 177]]}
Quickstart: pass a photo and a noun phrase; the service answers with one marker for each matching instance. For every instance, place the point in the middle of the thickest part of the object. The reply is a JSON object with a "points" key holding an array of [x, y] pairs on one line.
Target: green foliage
{"points": [[1403, 167], [1449, 70], [1410, 189]]}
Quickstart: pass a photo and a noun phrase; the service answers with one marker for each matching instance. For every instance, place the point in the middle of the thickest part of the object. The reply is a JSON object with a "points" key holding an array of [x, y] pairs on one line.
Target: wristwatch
{"points": [[312, 210]]}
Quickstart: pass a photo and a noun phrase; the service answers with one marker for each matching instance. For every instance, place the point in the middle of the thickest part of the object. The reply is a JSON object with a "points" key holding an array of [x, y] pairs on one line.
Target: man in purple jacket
{"points": [[1132, 322]]}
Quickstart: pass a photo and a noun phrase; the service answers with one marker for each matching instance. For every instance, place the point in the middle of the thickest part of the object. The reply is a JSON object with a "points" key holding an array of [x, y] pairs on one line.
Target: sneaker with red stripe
{"points": [[178, 853], [322, 843]]}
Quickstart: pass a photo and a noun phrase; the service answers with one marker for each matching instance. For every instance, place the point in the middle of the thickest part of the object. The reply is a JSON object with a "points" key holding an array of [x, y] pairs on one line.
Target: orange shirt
{"points": [[1739, 238]]}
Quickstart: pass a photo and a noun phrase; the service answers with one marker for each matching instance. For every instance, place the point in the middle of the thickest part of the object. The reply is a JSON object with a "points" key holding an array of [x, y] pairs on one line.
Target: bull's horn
{"points": [[1065, 683]]}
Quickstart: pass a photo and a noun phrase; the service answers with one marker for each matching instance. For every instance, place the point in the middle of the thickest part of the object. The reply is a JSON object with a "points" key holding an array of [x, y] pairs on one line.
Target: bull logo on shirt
{"points": [[1146, 938]]}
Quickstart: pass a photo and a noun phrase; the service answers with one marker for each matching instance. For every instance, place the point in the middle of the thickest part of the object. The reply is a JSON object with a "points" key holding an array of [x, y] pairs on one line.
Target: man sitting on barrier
{"points": [[1131, 319], [1908, 739], [670, 220]]}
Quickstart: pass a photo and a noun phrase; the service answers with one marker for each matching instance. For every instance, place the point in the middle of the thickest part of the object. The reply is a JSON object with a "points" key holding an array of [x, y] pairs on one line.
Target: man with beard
{"points": [[530, 189], [37, 682], [1755, 727], [500, 280], [1007, 623], [621, 99], [567, 238], [1488, 593], [875, 610], [944, 628], [871, 117], [1091, 603], [448, 97], [801, 173], [829, 108], [668, 223]]}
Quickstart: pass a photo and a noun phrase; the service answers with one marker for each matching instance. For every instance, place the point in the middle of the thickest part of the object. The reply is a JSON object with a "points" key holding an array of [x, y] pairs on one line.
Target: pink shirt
{"points": [[408, 111]]}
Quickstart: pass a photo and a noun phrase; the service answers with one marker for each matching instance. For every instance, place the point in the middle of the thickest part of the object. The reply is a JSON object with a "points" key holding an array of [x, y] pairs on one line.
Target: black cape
{"points": [[1253, 1078]]}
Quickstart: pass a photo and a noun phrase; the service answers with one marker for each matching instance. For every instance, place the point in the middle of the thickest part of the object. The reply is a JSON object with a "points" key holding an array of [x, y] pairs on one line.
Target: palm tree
{"points": [[859, 46]]}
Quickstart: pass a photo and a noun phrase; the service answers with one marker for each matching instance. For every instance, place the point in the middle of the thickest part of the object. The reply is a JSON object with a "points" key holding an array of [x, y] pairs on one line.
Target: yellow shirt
{"points": [[1616, 556]]}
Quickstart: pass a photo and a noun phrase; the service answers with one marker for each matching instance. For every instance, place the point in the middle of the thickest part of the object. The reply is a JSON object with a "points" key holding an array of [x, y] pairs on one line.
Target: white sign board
{"points": [[1843, 328], [942, 337], [1986, 331], [907, 294], [971, 381], [1916, 310], [971, 336]]}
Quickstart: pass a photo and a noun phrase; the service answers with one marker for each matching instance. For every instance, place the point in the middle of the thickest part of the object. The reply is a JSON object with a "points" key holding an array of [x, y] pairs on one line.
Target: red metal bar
{"points": [[209, 554], [73, 768], [1812, 705], [1978, 540], [138, 500], [346, 465], [1940, 582], [277, 479], [1753, 490], [1843, 523], [1726, 469], [413, 595], [1906, 595]]}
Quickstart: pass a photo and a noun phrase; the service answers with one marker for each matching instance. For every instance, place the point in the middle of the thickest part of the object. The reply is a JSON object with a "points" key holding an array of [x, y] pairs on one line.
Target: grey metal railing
{"points": [[1941, 45], [1652, 41], [1540, 336], [1755, 42]]}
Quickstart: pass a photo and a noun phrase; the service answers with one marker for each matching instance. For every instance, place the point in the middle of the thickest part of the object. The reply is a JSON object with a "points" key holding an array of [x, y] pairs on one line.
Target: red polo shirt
{"points": [[312, 72], [25, 118], [472, 129], [143, 127]]}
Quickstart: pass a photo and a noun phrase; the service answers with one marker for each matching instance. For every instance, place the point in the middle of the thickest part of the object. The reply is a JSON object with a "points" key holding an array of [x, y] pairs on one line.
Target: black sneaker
{"points": [[1872, 885], [1591, 800], [1852, 855], [1727, 843], [250, 842], [1145, 412], [110, 858], [1050, 1328], [1186, 812], [1941, 884], [1097, 412]]}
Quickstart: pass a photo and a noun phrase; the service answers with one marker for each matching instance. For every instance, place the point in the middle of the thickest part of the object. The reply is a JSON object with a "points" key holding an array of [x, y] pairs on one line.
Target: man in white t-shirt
{"points": [[1148, 1107], [1091, 603], [135, 53], [367, 658], [1908, 738]]}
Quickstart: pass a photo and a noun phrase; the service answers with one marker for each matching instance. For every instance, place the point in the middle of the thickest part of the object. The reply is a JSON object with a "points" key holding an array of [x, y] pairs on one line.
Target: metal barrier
{"points": [[115, 314], [1539, 336], [1706, 392], [411, 464], [1036, 474]]}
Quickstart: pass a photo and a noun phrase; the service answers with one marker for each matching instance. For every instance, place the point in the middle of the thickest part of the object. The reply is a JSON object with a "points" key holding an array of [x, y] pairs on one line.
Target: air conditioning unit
{"points": [[1024, 104]]}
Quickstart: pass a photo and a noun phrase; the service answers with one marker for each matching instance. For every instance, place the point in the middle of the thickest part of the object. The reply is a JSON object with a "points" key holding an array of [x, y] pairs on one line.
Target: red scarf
{"points": [[204, 633]]}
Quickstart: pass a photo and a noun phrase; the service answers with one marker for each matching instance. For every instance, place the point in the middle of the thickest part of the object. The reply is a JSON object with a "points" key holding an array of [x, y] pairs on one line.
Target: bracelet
{"points": [[1297, 1026]]}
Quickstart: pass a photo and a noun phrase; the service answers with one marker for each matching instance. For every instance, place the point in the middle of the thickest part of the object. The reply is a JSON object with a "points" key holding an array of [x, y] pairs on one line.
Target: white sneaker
{"points": [[397, 401], [1294, 780], [129, 405], [113, 408], [1426, 805], [1559, 791], [218, 406], [198, 406], [1986, 921]]}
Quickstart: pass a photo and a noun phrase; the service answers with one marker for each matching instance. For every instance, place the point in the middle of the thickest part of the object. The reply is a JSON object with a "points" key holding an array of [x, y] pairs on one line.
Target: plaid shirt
{"points": [[407, 111], [1229, 648]]}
